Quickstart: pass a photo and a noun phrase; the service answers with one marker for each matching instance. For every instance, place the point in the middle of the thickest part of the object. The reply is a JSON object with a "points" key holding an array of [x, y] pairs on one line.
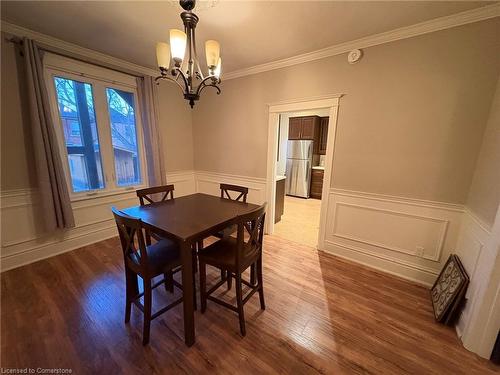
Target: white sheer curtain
{"points": [[148, 101]]}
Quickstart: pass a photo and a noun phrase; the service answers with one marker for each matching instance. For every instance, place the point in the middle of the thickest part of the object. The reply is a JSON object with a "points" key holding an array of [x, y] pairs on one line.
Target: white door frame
{"points": [[298, 105]]}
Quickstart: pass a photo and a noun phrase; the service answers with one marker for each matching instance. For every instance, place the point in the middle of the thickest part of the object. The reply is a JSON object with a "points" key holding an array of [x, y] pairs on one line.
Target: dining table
{"points": [[188, 220]]}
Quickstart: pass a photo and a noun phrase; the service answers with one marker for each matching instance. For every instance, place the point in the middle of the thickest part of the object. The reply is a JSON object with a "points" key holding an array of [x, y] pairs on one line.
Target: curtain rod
{"points": [[18, 41]]}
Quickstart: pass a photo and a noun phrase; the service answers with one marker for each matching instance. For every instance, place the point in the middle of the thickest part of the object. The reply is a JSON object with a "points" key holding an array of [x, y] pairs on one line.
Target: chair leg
{"points": [[130, 292], [147, 311], [223, 275], [229, 279], [200, 244], [252, 274], [203, 286], [260, 284], [239, 304], [169, 281], [195, 307]]}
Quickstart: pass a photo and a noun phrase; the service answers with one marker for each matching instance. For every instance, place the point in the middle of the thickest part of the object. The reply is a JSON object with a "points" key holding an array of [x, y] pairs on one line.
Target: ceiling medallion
{"points": [[201, 5], [178, 62]]}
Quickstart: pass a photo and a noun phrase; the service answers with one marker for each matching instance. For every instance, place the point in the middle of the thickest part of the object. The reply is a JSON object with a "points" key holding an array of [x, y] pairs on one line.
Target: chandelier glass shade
{"points": [[178, 61]]}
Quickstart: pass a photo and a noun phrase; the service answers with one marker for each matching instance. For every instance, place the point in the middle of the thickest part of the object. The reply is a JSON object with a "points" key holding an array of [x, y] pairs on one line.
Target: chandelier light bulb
{"points": [[177, 45], [212, 52], [163, 55]]}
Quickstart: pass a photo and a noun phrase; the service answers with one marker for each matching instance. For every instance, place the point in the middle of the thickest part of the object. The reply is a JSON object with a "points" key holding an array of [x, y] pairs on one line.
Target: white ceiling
{"points": [[250, 32]]}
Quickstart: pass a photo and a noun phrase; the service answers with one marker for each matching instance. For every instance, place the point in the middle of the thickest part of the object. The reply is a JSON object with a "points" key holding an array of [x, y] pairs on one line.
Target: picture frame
{"points": [[449, 289]]}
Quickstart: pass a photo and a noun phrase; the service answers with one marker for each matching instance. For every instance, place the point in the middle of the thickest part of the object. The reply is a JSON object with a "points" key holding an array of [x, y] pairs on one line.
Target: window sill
{"points": [[109, 193]]}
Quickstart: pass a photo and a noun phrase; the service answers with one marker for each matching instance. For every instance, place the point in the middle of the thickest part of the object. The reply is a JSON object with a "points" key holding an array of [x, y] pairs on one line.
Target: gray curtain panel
{"points": [[148, 101], [52, 187]]}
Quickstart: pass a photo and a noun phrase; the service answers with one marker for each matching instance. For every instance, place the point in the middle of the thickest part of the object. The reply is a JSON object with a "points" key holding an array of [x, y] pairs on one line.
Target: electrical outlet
{"points": [[419, 251]]}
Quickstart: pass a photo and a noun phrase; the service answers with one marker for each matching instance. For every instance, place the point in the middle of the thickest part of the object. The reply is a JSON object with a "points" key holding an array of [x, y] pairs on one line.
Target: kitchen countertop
{"points": [[279, 178], [319, 168]]}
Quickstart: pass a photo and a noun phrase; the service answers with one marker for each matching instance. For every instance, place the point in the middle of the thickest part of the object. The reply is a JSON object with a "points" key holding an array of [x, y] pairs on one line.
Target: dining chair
{"points": [[153, 195], [234, 193], [226, 189], [158, 194], [148, 262], [234, 256]]}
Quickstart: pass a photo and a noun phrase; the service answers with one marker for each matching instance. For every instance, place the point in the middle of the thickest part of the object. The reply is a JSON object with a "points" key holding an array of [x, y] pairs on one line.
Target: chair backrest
{"points": [[131, 234], [250, 234], [226, 188], [147, 196]]}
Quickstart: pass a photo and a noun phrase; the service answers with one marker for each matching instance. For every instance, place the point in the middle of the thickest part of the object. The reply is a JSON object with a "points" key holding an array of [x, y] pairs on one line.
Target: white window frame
{"points": [[100, 79]]}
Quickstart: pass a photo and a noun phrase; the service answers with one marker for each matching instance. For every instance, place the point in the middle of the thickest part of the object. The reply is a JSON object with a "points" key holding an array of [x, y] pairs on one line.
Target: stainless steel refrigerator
{"points": [[298, 168]]}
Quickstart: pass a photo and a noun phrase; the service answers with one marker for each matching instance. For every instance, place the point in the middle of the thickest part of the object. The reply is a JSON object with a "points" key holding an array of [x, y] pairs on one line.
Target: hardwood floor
{"points": [[300, 221], [324, 315]]}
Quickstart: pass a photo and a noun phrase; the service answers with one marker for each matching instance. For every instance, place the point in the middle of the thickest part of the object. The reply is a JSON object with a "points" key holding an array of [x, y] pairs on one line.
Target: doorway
{"points": [[299, 207], [302, 141]]}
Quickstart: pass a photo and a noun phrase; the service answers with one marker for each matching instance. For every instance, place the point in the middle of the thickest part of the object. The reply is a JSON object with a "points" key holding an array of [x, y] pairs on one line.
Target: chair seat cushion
{"points": [[163, 255], [221, 253]]}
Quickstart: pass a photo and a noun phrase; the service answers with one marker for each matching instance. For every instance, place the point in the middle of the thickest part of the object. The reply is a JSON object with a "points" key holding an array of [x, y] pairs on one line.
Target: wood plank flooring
{"points": [[324, 315]]}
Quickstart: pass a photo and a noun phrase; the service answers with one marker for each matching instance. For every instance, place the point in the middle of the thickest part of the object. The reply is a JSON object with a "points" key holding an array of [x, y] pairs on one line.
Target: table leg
{"points": [[187, 292]]}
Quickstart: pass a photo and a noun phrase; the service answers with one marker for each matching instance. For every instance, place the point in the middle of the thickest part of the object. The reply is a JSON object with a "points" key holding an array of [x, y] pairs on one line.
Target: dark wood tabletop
{"points": [[190, 217], [187, 220]]}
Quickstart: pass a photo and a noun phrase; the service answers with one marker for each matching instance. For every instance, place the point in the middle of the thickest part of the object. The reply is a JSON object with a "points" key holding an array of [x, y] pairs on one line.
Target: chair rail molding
{"points": [[24, 241], [209, 183], [184, 181]]}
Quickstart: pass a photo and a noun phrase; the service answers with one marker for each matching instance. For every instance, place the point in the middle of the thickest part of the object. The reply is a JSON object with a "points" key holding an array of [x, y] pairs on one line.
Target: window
{"points": [[76, 111], [124, 136], [97, 125]]}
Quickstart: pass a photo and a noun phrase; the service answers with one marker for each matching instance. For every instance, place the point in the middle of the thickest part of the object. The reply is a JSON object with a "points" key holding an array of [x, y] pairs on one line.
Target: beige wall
{"points": [[484, 195], [17, 170], [411, 122], [176, 128]]}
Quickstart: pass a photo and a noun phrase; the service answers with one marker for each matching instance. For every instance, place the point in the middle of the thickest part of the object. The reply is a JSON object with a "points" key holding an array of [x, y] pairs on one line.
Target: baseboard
{"points": [[395, 267], [37, 252]]}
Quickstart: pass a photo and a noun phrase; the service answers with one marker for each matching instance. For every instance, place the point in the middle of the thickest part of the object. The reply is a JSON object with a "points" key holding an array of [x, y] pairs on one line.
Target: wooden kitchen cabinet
{"points": [[304, 128], [323, 135], [310, 126], [295, 128], [317, 183]]}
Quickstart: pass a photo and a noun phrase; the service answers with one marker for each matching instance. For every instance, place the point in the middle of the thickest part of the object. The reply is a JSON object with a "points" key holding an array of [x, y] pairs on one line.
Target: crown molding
{"points": [[71, 48], [441, 23], [458, 19]]}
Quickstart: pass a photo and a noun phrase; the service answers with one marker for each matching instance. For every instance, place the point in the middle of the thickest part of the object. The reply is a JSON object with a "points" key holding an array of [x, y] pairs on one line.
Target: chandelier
{"points": [[178, 62]]}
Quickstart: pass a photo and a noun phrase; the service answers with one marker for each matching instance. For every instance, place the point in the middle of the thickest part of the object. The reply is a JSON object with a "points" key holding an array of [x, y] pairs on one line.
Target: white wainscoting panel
{"points": [[184, 182], [208, 183], [25, 241], [473, 236], [407, 237]]}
